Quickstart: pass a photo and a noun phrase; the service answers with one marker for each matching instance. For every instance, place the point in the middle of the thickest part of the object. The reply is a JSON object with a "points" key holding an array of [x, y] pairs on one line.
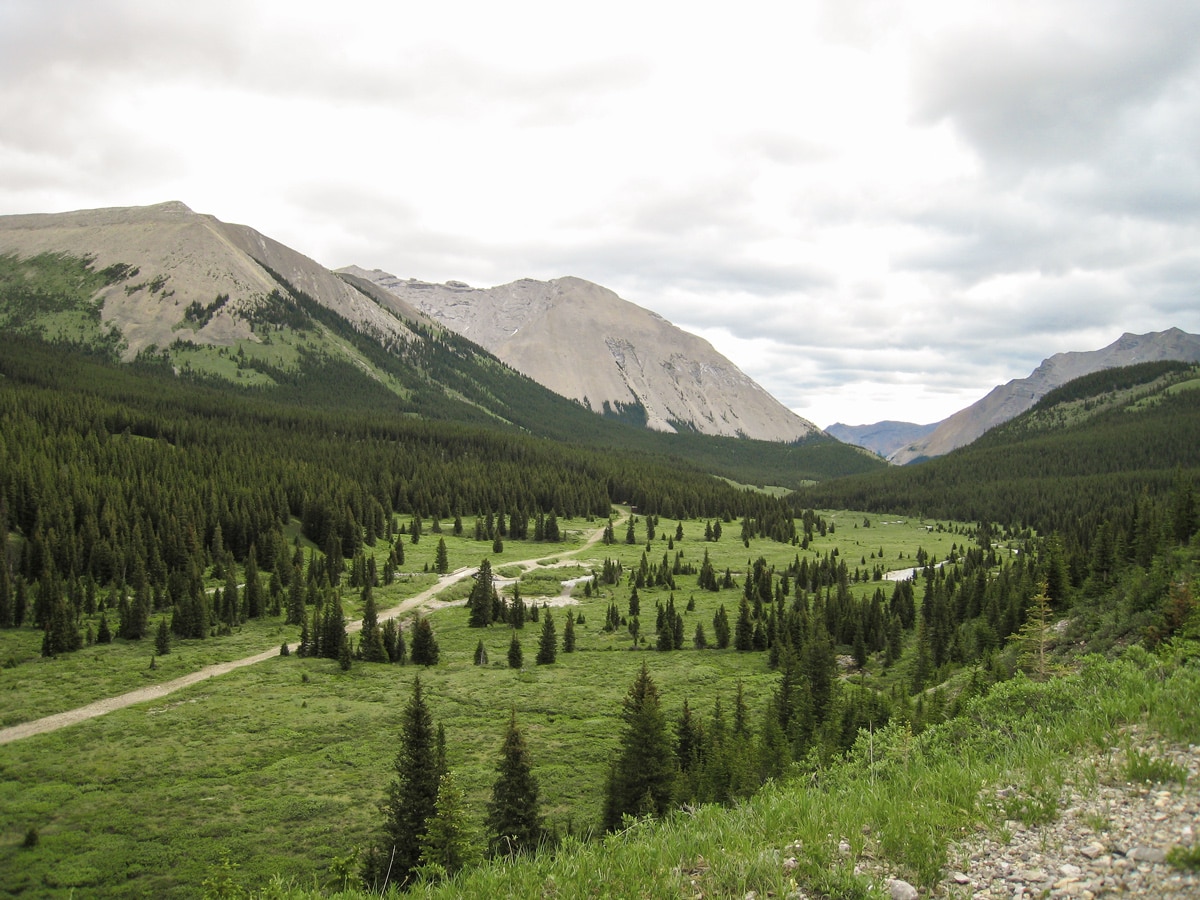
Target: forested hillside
{"points": [[1088, 452], [305, 353]]}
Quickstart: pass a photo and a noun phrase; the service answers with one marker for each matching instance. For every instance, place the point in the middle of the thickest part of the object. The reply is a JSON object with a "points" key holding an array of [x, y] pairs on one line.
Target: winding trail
{"points": [[158, 691]]}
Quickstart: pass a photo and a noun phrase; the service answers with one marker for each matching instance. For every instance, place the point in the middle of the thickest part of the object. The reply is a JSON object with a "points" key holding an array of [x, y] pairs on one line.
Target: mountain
{"points": [[1088, 450], [174, 257], [884, 438], [168, 287], [584, 342], [1009, 400]]}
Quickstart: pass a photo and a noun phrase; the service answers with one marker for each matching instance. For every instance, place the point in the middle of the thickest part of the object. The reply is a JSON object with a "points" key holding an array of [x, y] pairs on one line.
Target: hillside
{"points": [[1088, 449], [584, 342], [1006, 401], [212, 300]]}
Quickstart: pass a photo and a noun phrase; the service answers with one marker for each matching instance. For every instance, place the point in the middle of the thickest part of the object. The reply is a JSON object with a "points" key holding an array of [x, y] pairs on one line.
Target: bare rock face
{"points": [[1010, 400], [184, 257], [584, 342]]}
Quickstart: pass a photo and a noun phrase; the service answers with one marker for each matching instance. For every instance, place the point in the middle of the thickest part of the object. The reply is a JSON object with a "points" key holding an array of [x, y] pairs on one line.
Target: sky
{"points": [[877, 210]]}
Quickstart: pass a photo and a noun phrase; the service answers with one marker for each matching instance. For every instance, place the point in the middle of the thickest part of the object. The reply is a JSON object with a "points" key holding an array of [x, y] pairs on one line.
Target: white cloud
{"points": [[876, 210]]}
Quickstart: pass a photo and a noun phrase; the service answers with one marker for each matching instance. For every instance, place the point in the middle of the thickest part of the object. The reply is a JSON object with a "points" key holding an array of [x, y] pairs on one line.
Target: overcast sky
{"points": [[875, 209]]}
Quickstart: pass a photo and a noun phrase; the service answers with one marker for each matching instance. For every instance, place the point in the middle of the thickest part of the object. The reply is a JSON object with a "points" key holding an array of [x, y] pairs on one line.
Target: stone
{"points": [[901, 890], [1147, 854]]}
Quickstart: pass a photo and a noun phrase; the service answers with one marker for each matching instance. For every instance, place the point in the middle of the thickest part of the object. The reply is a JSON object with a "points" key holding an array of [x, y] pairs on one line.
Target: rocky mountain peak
{"points": [[585, 342]]}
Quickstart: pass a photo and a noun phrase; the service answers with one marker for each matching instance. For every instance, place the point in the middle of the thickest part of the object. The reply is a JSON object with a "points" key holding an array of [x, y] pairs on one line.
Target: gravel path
{"points": [[158, 691], [1110, 839]]}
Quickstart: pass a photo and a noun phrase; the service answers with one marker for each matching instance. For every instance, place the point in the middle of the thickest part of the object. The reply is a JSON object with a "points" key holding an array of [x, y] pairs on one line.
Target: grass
{"points": [[894, 805], [1146, 768], [281, 767]]}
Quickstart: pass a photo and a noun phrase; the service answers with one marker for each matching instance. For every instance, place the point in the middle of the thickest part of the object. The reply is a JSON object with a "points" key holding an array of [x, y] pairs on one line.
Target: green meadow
{"points": [[280, 767]]}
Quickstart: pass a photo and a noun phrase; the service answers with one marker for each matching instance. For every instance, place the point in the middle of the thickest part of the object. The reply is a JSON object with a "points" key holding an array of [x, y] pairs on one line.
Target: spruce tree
{"points": [[442, 560], [480, 600], [424, 644], [448, 843], [252, 595], [388, 634], [514, 822], [411, 799], [370, 643], [516, 658], [743, 639], [721, 627], [103, 632], [162, 639], [548, 645], [481, 657], [569, 634], [642, 777]]}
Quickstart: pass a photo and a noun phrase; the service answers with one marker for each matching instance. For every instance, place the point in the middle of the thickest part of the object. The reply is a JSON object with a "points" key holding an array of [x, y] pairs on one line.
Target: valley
{"points": [[832, 648]]}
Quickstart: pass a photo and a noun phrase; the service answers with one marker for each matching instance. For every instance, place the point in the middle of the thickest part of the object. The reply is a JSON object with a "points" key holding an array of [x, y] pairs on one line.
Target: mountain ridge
{"points": [[1006, 401], [586, 343]]}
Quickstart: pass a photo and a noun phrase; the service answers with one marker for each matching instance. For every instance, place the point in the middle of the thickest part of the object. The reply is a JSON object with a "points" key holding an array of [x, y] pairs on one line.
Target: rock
{"points": [[902, 890], [1093, 850], [1067, 870], [1147, 854], [959, 878]]}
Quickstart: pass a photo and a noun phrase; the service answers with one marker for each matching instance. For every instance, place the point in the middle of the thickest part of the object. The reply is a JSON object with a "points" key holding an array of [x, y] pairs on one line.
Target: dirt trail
{"points": [[158, 691]]}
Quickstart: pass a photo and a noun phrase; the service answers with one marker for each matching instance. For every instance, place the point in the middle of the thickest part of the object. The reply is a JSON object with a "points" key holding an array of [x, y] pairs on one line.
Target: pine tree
{"points": [[424, 644], [548, 645], [388, 634], [1034, 637], [411, 799], [642, 777], [449, 842], [516, 657], [721, 627], [744, 630], [481, 657], [569, 634], [370, 643], [442, 563], [479, 602], [162, 639], [252, 595], [514, 822]]}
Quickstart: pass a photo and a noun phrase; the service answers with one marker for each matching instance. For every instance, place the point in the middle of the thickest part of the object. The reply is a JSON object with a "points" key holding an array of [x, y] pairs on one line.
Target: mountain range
{"points": [[187, 288], [203, 281]]}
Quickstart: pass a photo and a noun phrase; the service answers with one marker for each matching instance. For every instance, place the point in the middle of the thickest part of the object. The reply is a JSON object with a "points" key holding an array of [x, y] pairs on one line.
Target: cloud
{"points": [[874, 209]]}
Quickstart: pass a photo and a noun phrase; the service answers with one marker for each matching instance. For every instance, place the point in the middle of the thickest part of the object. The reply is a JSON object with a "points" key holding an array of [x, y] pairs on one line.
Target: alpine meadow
{"points": [[317, 598]]}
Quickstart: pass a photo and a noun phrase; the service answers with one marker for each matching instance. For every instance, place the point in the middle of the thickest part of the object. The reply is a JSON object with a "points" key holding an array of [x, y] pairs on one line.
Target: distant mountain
{"points": [[584, 342], [884, 438], [1009, 400]]}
